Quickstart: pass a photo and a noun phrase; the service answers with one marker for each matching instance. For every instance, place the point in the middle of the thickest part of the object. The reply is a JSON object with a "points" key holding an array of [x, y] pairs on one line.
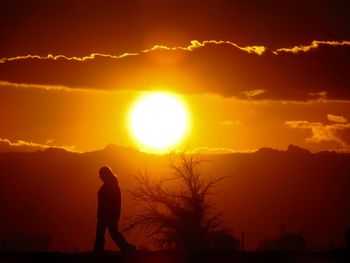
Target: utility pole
{"points": [[242, 241]]}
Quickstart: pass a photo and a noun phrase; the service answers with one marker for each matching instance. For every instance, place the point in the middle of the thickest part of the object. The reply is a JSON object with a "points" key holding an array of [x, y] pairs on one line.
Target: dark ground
{"points": [[180, 257]]}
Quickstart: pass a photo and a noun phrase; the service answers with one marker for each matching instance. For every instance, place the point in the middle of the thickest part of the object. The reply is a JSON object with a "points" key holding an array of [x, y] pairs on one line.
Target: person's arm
{"points": [[102, 209], [119, 203], [99, 204]]}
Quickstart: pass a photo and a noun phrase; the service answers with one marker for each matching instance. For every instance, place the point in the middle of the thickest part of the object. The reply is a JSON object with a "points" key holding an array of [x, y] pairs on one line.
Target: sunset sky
{"points": [[251, 74]]}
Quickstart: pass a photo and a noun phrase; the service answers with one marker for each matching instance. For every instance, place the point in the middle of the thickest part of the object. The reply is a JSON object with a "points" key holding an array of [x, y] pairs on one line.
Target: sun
{"points": [[158, 121]]}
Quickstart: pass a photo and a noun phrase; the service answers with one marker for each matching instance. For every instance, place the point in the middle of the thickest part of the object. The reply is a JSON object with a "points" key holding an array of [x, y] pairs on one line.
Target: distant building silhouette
{"points": [[347, 238], [222, 240], [291, 241], [21, 241], [268, 245], [285, 242]]}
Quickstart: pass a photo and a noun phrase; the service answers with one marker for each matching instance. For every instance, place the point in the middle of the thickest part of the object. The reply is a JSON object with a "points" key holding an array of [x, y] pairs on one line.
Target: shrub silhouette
{"points": [[177, 211]]}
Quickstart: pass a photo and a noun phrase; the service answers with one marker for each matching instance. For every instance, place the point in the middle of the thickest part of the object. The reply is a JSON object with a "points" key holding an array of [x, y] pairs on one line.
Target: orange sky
{"points": [[70, 71], [86, 120]]}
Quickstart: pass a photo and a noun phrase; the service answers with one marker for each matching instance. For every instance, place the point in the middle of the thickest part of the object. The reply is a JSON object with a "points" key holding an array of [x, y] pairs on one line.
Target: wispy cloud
{"points": [[253, 93], [230, 122], [259, 50], [336, 118], [194, 44], [33, 86], [26, 146], [313, 45], [63, 57], [219, 150], [323, 132], [46, 87]]}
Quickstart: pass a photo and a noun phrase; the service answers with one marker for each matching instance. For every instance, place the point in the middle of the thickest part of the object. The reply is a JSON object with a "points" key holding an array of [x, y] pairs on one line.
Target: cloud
{"points": [[194, 44], [336, 118], [92, 56], [34, 86], [314, 45], [211, 66], [259, 50], [25, 146], [335, 132], [254, 93], [320, 94], [219, 150], [230, 123], [46, 87]]}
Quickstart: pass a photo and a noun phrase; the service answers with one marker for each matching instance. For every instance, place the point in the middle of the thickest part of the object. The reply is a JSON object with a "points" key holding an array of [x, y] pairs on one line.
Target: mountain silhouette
{"points": [[53, 192], [297, 150]]}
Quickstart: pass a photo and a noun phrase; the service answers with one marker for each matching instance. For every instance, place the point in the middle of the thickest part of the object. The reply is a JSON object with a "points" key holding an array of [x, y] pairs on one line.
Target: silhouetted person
{"points": [[108, 212]]}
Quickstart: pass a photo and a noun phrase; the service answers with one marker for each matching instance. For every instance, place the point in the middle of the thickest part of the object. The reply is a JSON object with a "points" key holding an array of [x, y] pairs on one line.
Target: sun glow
{"points": [[158, 121]]}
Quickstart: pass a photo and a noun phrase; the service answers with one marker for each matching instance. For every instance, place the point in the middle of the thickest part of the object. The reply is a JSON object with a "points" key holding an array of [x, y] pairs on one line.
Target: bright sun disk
{"points": [[159, 120]]}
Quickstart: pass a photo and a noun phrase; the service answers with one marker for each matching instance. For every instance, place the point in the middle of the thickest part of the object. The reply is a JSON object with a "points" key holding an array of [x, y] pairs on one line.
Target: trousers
{"points": [[116, 236]]}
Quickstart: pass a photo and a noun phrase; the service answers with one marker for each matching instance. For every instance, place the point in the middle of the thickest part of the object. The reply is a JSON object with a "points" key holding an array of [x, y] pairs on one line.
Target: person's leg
{"points": [[100, 237], [119, 239]]}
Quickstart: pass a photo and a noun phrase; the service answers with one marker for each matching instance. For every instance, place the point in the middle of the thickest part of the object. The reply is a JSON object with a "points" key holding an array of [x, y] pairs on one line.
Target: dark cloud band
{"points": [[305, 72]]}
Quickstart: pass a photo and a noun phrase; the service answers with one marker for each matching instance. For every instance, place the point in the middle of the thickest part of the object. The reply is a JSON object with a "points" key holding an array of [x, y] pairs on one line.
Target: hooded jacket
{"points": [[109, 202]]}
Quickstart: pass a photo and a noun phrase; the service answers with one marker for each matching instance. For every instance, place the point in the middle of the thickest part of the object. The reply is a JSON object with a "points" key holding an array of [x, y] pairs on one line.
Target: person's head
{"points": [[107, 176]]}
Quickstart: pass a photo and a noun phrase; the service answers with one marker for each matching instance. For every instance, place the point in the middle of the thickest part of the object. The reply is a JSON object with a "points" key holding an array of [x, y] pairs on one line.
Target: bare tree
{"points": [[177, 211]]}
